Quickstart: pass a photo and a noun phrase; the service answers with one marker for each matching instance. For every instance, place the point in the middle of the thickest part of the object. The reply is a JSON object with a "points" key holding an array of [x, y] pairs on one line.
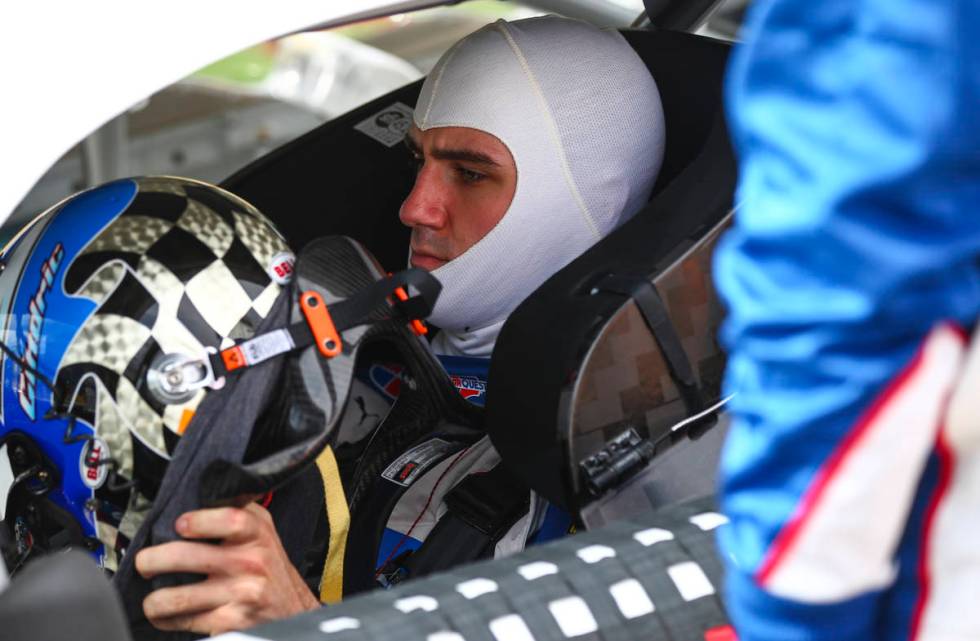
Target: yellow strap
{"points": [[338, 517]]}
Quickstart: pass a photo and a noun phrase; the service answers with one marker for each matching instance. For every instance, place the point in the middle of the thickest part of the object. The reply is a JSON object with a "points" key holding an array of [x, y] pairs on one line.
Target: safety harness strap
{"points": [[654, 313], [338, 520], [480, 511], [322, 325]]}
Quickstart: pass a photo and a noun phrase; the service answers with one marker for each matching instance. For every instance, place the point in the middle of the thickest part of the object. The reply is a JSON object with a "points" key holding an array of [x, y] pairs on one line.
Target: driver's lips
{"points": [[425, 261]]}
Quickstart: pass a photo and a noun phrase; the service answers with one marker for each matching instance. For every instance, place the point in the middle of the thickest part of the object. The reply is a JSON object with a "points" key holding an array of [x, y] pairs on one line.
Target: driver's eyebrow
{"points": [[466, 155]]}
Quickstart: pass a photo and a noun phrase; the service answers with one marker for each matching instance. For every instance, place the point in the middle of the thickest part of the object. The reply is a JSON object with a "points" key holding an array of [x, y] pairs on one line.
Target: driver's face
{"points": [[466, 179]]}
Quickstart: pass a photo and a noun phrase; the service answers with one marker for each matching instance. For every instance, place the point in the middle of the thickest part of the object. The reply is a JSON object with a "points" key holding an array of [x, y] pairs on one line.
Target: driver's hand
{"points": [[249, 577]]}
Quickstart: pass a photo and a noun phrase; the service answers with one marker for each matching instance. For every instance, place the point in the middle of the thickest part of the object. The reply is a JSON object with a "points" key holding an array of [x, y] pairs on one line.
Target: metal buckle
{"points": [[176, 378]]}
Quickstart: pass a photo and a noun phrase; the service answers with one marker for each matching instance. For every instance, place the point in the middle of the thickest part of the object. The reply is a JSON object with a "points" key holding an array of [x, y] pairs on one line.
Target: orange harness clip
{"points": [[321, 324], [417, 326], [233, 358]]}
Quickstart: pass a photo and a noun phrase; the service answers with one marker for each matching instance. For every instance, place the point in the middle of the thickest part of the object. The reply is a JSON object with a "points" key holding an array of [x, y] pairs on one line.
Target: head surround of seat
{"points": [[541, 349]]}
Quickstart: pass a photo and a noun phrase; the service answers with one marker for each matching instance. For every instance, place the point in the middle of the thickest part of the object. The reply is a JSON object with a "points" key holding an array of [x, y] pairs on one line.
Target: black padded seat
{"points": [[335, 180]]}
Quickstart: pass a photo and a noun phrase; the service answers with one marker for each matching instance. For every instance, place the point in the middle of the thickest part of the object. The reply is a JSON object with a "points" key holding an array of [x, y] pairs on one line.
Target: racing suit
{"points": [[432, 468], [852, 282]]}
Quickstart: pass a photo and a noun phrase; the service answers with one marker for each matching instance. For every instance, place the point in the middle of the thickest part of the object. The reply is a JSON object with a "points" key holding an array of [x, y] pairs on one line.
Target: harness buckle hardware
{"points": [[325, 333], [417, 326], [175, 378]]}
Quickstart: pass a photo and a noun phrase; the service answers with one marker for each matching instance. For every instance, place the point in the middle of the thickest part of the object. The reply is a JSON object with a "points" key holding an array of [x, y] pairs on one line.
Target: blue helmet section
{"points": [[40, 320]]}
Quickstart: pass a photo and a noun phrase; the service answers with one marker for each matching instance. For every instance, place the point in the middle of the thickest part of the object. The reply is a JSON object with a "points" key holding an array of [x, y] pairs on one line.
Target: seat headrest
{"points": [[542, 349]]}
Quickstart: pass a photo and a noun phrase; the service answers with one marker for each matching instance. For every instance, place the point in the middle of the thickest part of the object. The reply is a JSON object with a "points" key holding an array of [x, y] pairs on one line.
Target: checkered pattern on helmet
{"points": [[259, 238], [132, 234], [143, 421], [103, 282], [263, 302], [160, 282], [213, 279], [108, 340], [219, 297], [162, 185], [186, 267], [207, 227]]}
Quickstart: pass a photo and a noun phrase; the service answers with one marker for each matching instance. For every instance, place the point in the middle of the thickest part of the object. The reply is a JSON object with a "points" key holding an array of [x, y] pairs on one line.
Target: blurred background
{"points": [[222, 117]]}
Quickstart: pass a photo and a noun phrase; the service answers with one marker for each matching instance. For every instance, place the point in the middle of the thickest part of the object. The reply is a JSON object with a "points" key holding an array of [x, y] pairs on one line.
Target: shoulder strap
{"points": [[642, 292], [427, 405], [338, 522], [480, 511]]}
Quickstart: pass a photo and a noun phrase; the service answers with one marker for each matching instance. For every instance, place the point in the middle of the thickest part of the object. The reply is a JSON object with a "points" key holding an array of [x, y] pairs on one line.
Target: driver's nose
{"points": [[426, 204]]}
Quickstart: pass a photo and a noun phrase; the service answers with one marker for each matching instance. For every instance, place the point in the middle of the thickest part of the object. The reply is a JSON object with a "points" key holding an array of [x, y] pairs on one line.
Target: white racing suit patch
{"points": [[410, 465]]}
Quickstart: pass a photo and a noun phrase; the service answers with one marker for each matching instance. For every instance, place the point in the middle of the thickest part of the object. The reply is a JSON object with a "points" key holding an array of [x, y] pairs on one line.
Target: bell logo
{"points": [[92, 463], [281, 267]]}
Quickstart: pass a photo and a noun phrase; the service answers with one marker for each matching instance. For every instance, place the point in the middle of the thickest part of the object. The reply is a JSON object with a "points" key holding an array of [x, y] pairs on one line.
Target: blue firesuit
{"points": [[852, 282]]}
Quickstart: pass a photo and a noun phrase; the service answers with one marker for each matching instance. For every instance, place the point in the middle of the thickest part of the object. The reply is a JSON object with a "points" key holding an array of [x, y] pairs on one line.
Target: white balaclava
{"points": [[581, 116]]}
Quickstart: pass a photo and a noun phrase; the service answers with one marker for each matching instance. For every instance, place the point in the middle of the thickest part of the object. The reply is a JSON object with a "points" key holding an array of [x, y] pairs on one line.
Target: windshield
{"points": [[231, 112]]}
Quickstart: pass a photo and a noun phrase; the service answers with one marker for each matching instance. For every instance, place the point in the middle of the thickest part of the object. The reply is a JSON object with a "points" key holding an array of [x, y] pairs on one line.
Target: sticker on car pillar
{"points": [[409, 466], [389, 125]]}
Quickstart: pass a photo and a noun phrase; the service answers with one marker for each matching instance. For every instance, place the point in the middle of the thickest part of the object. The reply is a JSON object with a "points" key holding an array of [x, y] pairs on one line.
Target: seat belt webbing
{"points": [[479, 511], [338, 520], [651, 307]]}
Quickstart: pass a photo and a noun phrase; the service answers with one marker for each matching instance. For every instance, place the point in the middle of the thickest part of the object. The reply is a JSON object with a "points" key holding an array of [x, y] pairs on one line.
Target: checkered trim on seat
{"points": [[657, 577]]}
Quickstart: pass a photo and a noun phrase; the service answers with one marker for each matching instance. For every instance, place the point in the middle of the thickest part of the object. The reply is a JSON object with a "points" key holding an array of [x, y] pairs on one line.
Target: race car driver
{"points": [[850, 474], [533, 140]]}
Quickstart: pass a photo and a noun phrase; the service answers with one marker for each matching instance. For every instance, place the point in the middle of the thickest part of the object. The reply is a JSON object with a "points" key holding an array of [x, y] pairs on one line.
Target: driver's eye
{"points": [[468, 175]]}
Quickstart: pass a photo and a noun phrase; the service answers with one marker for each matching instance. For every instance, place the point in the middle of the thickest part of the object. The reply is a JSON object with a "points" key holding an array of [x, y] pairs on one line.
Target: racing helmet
{"points": [[104, 301]]}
